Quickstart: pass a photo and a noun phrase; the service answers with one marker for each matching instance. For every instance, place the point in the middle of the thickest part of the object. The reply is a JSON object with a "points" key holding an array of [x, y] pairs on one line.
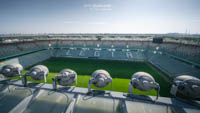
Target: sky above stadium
{"points": [[99, 16]]}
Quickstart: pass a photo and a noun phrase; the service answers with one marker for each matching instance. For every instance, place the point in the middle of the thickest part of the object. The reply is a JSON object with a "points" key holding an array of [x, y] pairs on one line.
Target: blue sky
{"points": [[99, 16]]}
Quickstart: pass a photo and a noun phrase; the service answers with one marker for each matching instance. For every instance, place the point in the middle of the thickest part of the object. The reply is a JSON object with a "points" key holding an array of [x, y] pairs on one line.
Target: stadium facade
{"points": [[171, 57]]}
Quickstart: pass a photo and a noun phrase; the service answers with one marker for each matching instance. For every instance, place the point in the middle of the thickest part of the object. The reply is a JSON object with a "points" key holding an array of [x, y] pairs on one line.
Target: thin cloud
{"points": [[97, 23], [71, 22], [98, 7], [196, 21]]}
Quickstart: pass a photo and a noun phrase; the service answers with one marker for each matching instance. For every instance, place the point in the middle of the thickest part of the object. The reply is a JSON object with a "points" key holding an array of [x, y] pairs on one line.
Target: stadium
{"points": [[99, 56], [120, 55]]}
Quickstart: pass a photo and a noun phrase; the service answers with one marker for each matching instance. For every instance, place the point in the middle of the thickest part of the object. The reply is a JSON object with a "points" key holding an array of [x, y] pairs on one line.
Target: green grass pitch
{"points": [[121, 72]]}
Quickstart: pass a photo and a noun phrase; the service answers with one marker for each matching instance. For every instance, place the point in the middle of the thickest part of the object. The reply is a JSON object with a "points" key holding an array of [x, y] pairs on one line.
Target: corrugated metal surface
{"points": [[40, 98]]}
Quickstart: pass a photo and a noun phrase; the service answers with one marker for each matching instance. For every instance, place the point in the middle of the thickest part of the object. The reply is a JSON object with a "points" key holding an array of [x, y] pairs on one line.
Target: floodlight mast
{"points": [[144, 82], [24, 80], [54, 83]]}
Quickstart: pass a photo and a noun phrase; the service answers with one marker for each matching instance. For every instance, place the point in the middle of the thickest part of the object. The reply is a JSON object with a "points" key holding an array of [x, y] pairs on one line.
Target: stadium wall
{"points": [[164, 61], [186, 51]]}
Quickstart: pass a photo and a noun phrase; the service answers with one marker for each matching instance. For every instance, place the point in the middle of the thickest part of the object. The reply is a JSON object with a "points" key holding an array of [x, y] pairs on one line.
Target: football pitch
{"points": [[121, 72]]}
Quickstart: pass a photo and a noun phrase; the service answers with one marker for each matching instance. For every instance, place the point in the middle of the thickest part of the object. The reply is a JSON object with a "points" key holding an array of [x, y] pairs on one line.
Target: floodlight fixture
{"points": [[38, 72], [187, 86], [144, 82], [65, 78], [12, 70], [100, 79]]}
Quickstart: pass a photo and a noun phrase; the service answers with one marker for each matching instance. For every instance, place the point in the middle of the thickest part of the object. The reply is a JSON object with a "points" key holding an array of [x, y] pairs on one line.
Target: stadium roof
{"points": [[99, 35], [40, 98]]}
